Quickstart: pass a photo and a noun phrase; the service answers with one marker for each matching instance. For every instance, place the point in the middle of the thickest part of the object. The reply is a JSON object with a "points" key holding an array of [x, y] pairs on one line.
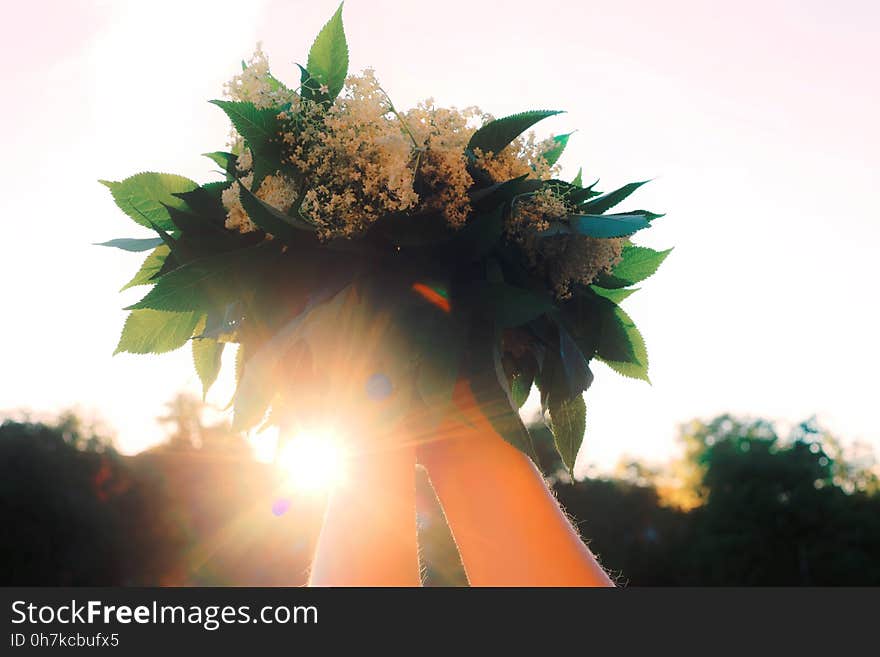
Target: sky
{"points": [[757, 122]]}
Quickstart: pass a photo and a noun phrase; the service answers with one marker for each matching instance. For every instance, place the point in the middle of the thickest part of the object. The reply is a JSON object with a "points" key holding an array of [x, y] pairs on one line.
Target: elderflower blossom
{"points": [[578, 259], [256, 85], [277, 191], [442, 135], [360, 159], [566, 258], [523, 157], [357, 162]]}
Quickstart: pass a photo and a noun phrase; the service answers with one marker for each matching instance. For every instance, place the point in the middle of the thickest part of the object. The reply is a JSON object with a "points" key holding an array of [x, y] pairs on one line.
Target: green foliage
{"points": [[257, 126], [145, 197], [520, 388], [621, 345], [564, 374], [167, 239], [201, 285], [480, 235], [150, 267], [614, 296], [206, 207], [568, 420], [497, 134], [521, 371], [584, 193], [268, 218], [514, 306], [499, 193], [497, 404], [484, 367], [328, 58], [578, 376], [439, 366], [255, 371], [560, 142], [135, 245], [260, 128], [766, 510], [761, 518], [155, 332], [608, 225], [608, 201], [226, 161], [636, 264], [207, 354]]}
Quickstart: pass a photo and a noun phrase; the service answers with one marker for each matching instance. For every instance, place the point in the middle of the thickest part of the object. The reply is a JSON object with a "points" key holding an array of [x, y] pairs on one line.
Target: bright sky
{"points": [[758, 120]]}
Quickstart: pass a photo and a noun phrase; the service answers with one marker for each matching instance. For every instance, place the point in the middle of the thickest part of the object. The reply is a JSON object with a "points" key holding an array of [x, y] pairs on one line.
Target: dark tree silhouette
{"points": [[761, 510]]}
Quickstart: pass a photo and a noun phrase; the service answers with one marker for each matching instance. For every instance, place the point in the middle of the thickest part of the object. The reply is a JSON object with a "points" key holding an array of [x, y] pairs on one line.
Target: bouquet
{"points": [[366, 259]]}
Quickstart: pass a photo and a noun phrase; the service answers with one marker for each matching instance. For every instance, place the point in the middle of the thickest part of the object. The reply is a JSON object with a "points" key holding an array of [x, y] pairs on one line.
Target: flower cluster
{"points": [[563, 259], [349, 164]]}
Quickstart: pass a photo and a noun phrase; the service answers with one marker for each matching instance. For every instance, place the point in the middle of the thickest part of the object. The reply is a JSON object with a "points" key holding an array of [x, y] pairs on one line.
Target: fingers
{"points": [[369, 532], [509, 528]]}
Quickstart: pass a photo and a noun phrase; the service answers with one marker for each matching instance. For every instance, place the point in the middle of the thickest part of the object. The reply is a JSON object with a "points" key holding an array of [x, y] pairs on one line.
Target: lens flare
{"points": [[434, 295], [312, 461]]}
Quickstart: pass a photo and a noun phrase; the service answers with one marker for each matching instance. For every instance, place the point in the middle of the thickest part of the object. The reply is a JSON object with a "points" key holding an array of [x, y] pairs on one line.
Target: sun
{"points": [[312, 461]]}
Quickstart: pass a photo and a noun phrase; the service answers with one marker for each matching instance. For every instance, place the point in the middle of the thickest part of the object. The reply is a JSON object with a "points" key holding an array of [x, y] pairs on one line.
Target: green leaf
{"points": [[609, 200], [177, 250], [253, 395], [636, 264], [309, 86], [524, 370], [493, 394], [150, 267], [514, 306], [260, 127], [194, 225], [207, 201], [520, 388], [222, 324], [484, 370], [268, 218], [256, 373], [579, 179], [207, 354], [226, 161], [200, 285], [439, 366], [422, 230], [277, 85], [560, 142], [257, 126], [496, 135], [575, 370], [580, 195], [143, 196], [328, 58], [256, 377], [155, 332], [650, 216], [568, 422], [133, 244], [621, 345], [615, 296], [606, 226], [500, 193], [480, 235]]}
